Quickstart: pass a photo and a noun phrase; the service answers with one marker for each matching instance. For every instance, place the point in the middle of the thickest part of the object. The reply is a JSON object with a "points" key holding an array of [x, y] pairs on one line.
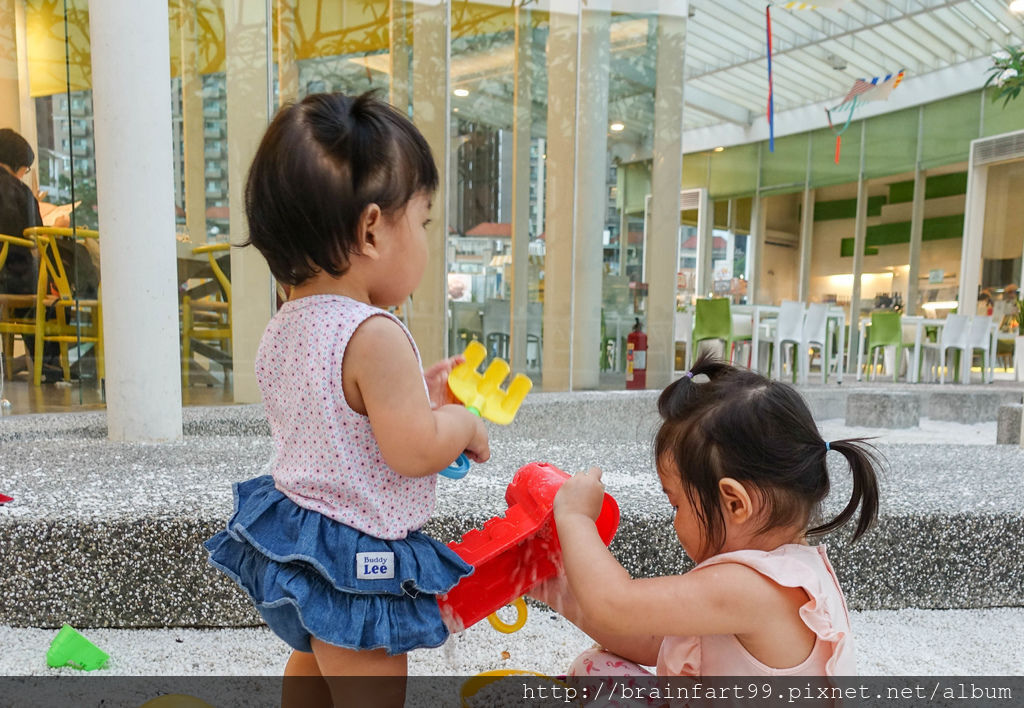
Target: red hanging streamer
{"points": [[839, 140]]}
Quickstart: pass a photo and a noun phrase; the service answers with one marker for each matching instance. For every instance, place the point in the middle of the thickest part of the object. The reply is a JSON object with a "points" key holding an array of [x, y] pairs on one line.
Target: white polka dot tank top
{"points": [[326, 457]]}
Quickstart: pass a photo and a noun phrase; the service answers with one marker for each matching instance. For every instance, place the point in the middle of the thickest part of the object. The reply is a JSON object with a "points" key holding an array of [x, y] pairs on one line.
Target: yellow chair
{"points": [[11, 324], [207, 318], [76, 320]]}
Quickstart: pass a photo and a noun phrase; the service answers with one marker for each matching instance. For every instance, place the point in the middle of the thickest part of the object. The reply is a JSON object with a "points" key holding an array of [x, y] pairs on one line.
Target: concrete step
{"points": [[109, 534]]}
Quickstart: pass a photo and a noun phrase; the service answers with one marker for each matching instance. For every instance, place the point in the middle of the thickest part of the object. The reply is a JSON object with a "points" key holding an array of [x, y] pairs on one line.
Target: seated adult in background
{"points": [[19, 210]]}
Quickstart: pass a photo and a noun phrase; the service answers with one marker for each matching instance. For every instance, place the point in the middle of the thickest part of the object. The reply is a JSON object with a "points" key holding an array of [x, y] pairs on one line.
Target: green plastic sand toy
{"points": [[69, 648]]}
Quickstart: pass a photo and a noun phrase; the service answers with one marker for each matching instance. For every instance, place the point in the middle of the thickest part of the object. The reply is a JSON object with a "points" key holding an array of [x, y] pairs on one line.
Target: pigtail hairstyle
{"points": [[863, 459], [720, 421]]}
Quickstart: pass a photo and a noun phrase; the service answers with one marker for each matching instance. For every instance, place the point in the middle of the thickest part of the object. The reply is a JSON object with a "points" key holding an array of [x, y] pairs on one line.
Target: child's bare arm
{"points": [[640, 649], [721, 599], [382, 377]]}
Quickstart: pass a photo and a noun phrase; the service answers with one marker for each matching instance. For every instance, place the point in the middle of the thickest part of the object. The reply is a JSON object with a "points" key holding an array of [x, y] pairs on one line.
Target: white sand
{"points": [[928, 431], [891, 642]]}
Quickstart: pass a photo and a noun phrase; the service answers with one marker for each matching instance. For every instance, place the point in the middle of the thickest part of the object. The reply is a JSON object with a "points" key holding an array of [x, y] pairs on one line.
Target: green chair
{"points": [[886, 331], [713, 320]]}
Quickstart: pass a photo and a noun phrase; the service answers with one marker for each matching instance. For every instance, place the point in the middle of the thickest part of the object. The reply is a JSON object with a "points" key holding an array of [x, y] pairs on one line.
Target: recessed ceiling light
{"points": [[617, 127], [461, 93], [719, 149]]}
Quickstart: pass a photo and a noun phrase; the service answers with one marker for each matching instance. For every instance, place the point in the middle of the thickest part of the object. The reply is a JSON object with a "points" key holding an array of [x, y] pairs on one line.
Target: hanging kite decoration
{"points": [[863, 91], [830, 4]]}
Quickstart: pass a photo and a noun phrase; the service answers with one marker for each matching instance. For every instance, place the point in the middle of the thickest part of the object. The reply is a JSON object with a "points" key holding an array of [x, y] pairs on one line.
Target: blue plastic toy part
{"points": [[457, 469]]}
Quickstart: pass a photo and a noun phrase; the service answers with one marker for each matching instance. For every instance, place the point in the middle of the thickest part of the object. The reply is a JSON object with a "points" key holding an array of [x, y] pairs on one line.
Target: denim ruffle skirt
{"points": [[309, 575]]}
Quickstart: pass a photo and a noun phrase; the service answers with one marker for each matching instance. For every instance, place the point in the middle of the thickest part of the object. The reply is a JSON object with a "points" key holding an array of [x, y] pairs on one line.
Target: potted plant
{"points": [[1007, 73]]}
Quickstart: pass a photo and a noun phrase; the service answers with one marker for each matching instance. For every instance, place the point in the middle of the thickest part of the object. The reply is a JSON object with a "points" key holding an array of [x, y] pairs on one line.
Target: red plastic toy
{"points": [[4, 499], [513, 553]]}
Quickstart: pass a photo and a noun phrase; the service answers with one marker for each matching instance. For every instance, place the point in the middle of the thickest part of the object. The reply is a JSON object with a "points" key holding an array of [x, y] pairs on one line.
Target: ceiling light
{"points": [[719, 149], [461, 93], [837, 63], [1017, 6], [617, 127]]}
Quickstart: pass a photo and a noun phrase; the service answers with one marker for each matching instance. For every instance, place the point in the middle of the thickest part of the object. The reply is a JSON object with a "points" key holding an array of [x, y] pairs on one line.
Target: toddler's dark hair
{"points": [[321, 163], [720, 421]]}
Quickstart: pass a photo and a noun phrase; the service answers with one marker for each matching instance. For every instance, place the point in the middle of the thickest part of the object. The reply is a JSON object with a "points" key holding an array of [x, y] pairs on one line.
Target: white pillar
{"points": [[662, 249], [287, 65], [806, 243], [974, 228], [916, 237], [860, 230], [755, 248], [10, 97], [131, 68], [807, 227], [521, 130], [916, 223], [591, 191], [398, 77], [245, 39], [560, 202], [193, 134], [430, 76]]}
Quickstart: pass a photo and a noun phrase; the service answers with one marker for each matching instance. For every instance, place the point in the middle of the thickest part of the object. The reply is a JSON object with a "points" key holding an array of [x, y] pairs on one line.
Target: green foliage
{"points": [[1007, 73], [85, 216]]}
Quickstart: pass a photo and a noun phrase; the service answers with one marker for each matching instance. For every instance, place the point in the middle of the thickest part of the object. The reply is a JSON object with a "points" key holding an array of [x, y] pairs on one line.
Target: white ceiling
{"points": [[726, 66]]}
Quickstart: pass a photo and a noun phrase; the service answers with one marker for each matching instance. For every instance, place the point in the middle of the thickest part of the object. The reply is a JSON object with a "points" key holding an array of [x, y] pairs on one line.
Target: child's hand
{"points": [[583, 494], [479, 448], [437, 381]]}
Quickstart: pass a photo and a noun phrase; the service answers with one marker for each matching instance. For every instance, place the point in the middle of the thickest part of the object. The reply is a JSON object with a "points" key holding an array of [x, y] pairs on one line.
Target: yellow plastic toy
{"points": [[480, 393], [475, 684], [509, 627]]}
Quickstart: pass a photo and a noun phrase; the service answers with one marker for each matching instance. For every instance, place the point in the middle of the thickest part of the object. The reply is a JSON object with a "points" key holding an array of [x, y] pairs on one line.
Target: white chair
{"points": [[742, 332], [815, 336], [497, 325], [789, 329], [979, 338], [954, 336], [534, 325]]}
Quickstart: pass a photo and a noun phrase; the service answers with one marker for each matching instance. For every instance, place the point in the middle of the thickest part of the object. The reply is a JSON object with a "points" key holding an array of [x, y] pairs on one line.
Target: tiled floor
{"points": [[86, 395]]}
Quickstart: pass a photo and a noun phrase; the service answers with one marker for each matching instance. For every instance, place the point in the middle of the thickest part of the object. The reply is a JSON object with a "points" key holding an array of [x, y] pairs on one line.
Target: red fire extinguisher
{"points": [[636, 358]]}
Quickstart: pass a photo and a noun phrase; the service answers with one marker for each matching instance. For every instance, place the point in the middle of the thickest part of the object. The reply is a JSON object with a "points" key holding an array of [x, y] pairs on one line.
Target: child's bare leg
{"points": [[362, 678], [303, 685]]}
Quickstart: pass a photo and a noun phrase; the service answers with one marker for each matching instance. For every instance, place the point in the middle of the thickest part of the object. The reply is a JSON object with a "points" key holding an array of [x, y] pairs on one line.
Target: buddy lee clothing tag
{"points": [[375, 566]]}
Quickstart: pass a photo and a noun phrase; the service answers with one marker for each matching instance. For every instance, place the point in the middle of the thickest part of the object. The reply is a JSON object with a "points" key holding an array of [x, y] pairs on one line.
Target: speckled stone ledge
{"points": [[601, 416], [109, 534]]}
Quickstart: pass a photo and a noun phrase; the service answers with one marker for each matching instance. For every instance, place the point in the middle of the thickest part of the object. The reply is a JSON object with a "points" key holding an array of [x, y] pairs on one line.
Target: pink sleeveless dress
{"points": [[824, 613]]}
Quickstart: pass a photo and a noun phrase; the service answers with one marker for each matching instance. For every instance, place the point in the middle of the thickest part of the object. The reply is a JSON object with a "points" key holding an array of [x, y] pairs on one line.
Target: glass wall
{"points": [[44, 62], [626, 130], [542, 118]]}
